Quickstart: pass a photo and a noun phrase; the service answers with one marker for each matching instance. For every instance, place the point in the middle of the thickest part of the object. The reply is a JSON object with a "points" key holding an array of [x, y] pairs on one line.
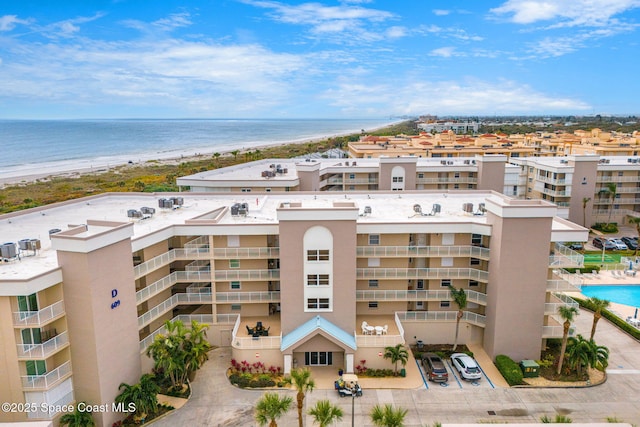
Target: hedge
{"points": [[509, 369], [634, 332]]}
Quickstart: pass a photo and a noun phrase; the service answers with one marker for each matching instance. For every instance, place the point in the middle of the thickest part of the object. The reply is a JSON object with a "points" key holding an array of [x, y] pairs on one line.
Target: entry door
{"points": [[318, 358]]}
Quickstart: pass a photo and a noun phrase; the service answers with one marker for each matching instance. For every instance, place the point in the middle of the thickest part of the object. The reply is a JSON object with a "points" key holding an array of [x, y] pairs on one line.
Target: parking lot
{"points": [[455, 381]]}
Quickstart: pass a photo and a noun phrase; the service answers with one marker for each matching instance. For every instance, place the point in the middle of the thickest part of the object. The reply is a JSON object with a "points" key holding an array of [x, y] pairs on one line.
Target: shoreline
{"points": [[25, 174]]}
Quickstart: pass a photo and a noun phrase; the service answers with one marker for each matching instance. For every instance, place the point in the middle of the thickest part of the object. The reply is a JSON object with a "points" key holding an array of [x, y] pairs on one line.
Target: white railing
{"points": [[169, 257], [40, 317], [226, 275], [170, 280], [198, 265], [562, 285], [52, 408], [565, 257], [257, 342], [447, 180], [555, 331], [201, 242], [347, 181], [231, 297], [47, 380], [221, 319], [422, 273], [551, 308], [399, 325], [417, 295], [241, 253], [44, 350], [379, 340], [604, 178], [170, 303], [551, 180], [441, 316], [415, 251]]}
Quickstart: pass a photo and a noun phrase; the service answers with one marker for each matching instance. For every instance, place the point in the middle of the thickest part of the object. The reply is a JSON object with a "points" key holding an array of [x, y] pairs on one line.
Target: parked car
{"points": [[435, 368], [348, 385], [466, 366], [576, 246], [599, 242], [632, 243], [619, 244]]}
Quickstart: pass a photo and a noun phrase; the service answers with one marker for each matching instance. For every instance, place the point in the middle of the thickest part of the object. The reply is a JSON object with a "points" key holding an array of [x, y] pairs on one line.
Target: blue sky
{"points": [[320, 59]]}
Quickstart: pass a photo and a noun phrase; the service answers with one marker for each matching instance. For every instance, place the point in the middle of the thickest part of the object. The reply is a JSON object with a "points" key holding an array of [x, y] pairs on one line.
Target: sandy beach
{"points": [[31, 172]]}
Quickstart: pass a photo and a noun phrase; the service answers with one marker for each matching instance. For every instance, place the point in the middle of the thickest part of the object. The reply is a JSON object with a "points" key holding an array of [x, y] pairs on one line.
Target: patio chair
{"points": [[364, 328], [385, 329], [249, 330]]}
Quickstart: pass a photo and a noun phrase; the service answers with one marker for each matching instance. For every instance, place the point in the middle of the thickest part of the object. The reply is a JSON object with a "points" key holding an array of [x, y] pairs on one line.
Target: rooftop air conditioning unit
{"points": [[467, 207], [417, 208], [367, 209]]}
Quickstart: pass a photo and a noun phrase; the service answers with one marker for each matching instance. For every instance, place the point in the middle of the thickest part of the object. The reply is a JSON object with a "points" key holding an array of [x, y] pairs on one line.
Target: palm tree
{"points": [[612, 191], [324, 413], [235, 154], [567, 314], [460, 298], [597, 305], [387, 416], [303, 383], [271, 407], [143, 395], [582, 353], [396, 354], [635, 220], [77, 418], [216, 156], [585, 201]]}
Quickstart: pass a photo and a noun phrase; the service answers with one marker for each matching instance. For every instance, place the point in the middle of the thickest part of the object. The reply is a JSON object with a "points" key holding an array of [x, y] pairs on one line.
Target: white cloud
{"points": [[445, 52], [441, 12], [567, 13], [9, 22]]}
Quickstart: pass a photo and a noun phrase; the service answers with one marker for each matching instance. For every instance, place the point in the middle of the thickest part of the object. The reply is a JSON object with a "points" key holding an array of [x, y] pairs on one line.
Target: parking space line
{"points": [[455, 375], [485, 375], [424, 380]]}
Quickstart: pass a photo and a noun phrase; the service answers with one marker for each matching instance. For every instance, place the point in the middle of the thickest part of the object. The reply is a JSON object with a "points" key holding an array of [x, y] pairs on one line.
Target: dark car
{"points": [[435, 368], [632, 243], [576, 246], [599, 242]]}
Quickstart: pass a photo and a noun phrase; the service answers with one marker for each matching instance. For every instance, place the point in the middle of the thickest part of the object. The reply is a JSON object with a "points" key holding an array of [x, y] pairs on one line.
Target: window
{"points": [[233, 241], [235, 307], [398, 179], [373, 304], [373, 283], [317, 280], [235, 285], [445, 283], [470, 186], [374, 239], [318, 358], [476, 239], [620, 173], [28, 303], [234, 263], [318, 255], [420, 175], [317, 303], [447, 262], [420, 284], [475, 261], [31, 336], [352, 187], [448, 238], [419, 305], [373, 262], [456, 186], [245, 190], [445, 304], [36, 367], [474, 283], [456, 175], [352, 176], [268, 190]]}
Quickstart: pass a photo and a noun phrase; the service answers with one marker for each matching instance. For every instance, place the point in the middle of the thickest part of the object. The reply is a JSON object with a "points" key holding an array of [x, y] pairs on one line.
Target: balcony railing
{"points": [[170, 303], [604, 178], [47, 380], [53, 408], [38, 318], [441, 316], [422, 273], [565, 257], [257, 342], [226, 275], [379, 340], [417, 295], [170, 280], [167, 258], [221, 319], [352, 181], [243, 253], [551, 308], [447, 180], [44, 350], [423, 251], [237, 297]]}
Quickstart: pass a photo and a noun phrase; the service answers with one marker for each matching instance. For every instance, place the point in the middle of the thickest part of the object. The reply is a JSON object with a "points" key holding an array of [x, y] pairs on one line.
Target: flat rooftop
{"points": [[386, 208]]}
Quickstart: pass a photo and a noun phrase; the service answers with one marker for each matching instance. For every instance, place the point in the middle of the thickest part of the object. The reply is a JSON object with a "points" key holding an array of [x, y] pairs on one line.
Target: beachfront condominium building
{"points": [[287, 279], [566, 181]]}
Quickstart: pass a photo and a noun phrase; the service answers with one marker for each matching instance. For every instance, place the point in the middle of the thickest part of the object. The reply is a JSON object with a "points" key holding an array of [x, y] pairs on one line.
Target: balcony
{"points": [[423, 251], [54, 407], [442, 316], [227, 275], [186, 254], [171, 303], [38, 318], [48, 380], [44, 350], [447, 180], [417, 295], [422, 273], [606, 178], [352, 181], [220, 319], [170, 280], [565, 257], [558, 300], [247, 297], [394, 335], [244, 253], [241, 340]]}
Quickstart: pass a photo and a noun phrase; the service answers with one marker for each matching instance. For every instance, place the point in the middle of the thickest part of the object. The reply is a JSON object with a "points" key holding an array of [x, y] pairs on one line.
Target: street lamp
{"points": [[354, 393]]}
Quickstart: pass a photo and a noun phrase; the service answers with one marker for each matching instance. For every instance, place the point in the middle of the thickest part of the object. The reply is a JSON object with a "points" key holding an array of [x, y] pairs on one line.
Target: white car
{"points": [[466, 366], [619, 244]]}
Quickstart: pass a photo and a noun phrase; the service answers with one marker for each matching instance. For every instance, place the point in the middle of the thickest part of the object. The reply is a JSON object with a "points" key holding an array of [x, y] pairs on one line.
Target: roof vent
{"points": [[367, 210], [417, 208], [467, 207]]}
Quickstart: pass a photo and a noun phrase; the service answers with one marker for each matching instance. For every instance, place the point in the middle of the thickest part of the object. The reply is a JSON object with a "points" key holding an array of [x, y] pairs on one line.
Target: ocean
{"points": [[31, 146]]}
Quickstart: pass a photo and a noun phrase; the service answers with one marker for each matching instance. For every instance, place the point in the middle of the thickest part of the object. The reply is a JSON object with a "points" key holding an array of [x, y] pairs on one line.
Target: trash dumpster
{"points": [[530, 369]]}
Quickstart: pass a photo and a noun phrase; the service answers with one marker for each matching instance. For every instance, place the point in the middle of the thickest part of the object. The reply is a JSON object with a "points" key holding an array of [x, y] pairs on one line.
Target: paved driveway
{"points": [[216, 403]]}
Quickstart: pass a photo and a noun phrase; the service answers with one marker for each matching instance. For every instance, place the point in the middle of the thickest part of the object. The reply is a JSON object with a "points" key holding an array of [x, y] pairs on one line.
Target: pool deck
{"points": [[607, 278]]}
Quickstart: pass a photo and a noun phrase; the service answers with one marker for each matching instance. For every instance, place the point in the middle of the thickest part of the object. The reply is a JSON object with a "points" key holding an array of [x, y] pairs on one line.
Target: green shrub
{"points": [[606, 227], [635, 333], [509, 369], [588, 268]]}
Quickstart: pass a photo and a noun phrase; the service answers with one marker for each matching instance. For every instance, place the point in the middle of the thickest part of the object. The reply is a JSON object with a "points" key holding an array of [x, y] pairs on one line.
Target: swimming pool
{"points": [[627, 295]]}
